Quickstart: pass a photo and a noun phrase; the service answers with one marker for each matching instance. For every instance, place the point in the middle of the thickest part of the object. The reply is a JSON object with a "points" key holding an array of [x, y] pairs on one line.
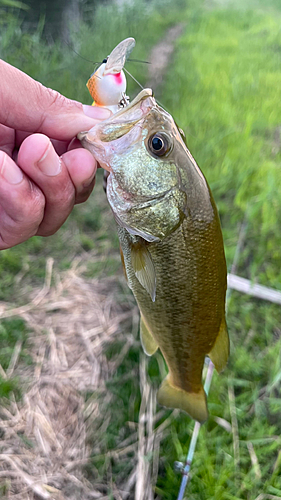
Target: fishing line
{"points": [[138, 60], [133, 78], [77, 53], [130, 74]]}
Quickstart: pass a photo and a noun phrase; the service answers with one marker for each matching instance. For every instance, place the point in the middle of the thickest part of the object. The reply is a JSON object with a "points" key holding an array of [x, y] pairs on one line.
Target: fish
{"points": [[107, 85], [171, 244]]}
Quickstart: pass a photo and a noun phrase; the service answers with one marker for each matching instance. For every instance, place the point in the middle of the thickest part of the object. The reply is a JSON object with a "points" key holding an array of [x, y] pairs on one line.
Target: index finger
{"points": [[27, 105]]}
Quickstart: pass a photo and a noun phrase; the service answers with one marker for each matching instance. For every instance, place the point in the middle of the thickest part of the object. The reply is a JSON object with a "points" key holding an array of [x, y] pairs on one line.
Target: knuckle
{"points": [[33, 209], [48, 228]]}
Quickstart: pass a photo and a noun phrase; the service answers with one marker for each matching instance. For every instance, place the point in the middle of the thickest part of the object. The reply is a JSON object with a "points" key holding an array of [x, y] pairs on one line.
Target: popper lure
{"points": [[107, 85]]}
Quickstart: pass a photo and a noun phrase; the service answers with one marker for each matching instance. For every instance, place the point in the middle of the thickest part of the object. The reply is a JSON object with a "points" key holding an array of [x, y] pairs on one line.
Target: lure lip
{"points": [[117, 58]]}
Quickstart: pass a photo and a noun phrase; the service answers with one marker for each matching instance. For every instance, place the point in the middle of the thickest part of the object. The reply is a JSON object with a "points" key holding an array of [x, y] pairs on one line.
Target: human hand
{"points": [[40, 179]]}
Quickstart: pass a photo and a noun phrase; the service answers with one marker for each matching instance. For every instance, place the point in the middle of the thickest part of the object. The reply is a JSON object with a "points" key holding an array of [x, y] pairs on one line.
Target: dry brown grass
{"points": [[44, 438]]}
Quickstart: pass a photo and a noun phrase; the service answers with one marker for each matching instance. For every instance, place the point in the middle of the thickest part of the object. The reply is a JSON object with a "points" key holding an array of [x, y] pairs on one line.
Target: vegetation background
{"points": [[223, 88]]}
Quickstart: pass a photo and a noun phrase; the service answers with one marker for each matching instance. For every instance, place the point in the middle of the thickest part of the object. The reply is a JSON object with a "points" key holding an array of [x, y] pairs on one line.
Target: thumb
{"points": [[26, 104]]}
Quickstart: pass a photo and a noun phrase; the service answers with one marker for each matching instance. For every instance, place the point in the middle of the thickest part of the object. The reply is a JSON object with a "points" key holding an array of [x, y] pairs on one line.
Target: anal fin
{"points": [[148, 343], [193, 403], [220, 350]]}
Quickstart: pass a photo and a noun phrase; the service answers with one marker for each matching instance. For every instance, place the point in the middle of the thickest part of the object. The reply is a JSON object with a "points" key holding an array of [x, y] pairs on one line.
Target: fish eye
{"points": [[105, 60], [159, 144]]}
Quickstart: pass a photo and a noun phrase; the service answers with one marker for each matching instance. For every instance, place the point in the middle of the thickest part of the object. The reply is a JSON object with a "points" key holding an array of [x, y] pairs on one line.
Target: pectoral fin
{"points": [[220, 350], [144, 268], [123, 264], [193, 403], [148, 343]]}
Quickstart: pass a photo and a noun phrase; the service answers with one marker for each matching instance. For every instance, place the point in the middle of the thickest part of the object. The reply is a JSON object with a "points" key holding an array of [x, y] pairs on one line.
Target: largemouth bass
{"points": [[171, 244]]}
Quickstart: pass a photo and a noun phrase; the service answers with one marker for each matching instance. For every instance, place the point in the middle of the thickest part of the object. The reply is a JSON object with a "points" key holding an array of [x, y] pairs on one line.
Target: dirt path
{"points": [[161, 56]]}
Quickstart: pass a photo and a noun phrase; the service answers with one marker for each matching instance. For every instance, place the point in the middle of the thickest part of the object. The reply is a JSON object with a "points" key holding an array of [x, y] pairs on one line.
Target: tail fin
{"points": [[193, 403]]}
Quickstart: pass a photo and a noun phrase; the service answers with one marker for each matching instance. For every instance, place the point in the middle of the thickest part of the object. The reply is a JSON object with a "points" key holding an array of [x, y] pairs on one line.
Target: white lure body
{"points": [[107, 85]]}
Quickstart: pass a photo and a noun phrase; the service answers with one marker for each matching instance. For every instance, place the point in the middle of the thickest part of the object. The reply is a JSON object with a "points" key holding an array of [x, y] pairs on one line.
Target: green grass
{"points": [[228, 68], [223, 89], [12, 331]]}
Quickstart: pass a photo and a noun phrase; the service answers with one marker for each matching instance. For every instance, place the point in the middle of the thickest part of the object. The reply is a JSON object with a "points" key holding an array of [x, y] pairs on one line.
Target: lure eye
{"points": [[159, 144]]}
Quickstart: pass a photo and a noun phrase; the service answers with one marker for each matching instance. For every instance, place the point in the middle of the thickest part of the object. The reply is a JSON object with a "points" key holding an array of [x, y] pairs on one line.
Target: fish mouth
{"points": [[121, 131], [120, 123], [124, 120], [136, 102]]}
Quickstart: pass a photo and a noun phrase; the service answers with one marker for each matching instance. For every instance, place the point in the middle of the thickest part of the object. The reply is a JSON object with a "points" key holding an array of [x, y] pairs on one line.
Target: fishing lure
{"points": [[107, 85]]}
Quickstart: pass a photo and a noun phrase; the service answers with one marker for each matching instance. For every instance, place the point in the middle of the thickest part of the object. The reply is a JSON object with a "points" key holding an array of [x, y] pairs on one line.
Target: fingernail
{"points": [[96, 112], [50, 163], [10, 171]]}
